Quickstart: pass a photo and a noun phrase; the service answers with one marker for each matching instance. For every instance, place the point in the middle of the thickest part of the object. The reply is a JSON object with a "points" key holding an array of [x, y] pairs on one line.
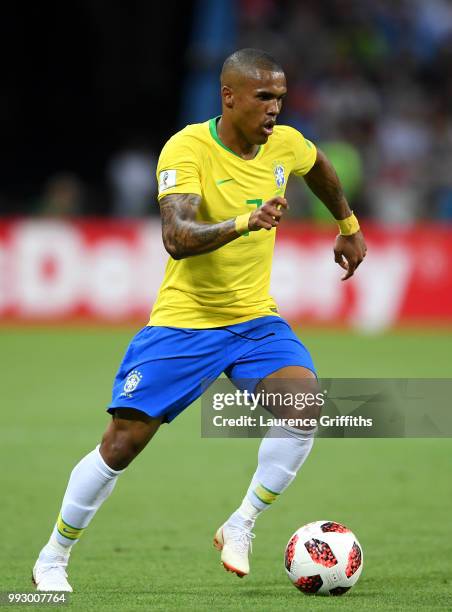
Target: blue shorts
{"points": [[164, 367]]}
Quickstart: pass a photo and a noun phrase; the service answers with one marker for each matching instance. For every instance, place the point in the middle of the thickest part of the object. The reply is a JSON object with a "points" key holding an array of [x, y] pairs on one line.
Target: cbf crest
{"points": [[132, 381], [280, 174]]}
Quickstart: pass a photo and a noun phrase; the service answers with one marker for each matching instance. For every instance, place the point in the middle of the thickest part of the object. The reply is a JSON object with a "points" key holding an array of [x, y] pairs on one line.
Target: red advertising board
{"points": [[110, 271]]}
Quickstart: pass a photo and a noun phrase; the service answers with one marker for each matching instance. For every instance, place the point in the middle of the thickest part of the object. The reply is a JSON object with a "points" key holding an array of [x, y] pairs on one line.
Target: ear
{"points": [[228, 96]]}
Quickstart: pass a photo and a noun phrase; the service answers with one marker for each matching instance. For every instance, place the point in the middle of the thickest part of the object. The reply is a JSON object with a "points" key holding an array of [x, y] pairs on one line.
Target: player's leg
{"points": [[281, 454], [126, 436], [275, 361], [283, 450], [160, 375], [91, 482]]}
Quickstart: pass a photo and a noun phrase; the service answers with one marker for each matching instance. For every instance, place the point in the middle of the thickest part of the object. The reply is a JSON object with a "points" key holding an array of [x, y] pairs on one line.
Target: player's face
{"points": [[257, 103]]}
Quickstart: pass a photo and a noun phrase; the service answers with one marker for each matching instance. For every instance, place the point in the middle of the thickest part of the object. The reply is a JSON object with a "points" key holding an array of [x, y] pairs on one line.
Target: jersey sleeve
{"points": [[178, 168], [305, 154]]}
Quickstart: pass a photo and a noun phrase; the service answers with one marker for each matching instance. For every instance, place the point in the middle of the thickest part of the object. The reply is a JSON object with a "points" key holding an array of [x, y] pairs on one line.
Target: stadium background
{"points": [[90, 92]]}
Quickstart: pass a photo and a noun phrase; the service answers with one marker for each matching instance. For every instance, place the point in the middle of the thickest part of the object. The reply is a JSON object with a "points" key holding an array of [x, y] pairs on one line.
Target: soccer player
{"points": [[221, 193]]}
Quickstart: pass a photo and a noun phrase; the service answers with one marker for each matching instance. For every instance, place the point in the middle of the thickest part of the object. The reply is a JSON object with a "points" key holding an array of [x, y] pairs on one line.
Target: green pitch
{"points": [[150, 546]]}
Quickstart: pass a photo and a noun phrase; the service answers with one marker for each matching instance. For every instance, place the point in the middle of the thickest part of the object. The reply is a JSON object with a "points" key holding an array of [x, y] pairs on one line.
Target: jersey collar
{"points": [[214, 134]]}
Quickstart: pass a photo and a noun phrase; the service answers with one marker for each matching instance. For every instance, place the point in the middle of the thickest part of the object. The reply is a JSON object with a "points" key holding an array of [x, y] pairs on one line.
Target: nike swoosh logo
{"points": [[220, 182]]}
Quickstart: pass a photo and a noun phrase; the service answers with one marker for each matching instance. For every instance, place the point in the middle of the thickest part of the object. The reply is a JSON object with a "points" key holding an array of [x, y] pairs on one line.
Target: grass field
{"points": [[149, 548]]}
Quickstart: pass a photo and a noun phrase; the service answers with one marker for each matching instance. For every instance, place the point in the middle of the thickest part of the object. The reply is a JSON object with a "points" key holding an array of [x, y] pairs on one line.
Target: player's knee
{"points": [[124, 440], [119, 450], [295, 400], [116, 451]]}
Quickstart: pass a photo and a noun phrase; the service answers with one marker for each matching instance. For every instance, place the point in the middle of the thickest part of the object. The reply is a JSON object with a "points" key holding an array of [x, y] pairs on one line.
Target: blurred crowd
{"points": [[130, 188], [370, 82]]}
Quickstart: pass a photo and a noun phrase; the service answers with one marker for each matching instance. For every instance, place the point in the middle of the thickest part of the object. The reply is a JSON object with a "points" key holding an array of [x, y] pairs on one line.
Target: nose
{"points": [[274, 108]]}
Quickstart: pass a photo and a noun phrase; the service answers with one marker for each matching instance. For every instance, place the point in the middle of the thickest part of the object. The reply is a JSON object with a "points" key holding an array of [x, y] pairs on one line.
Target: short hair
{"points": [[249, 60]]}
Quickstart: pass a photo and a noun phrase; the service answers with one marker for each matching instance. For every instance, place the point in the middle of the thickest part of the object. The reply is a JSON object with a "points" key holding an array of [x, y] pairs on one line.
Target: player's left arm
{"points": [[350, 248]]}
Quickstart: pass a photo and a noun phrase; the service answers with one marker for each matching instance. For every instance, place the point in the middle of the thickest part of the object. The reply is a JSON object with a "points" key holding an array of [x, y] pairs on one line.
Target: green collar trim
{"points": [[214, 134]]}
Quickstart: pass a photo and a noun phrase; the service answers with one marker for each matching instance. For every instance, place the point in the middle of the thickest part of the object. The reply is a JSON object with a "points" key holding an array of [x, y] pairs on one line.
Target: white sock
{"points": [[281, 454], [90, 483]]}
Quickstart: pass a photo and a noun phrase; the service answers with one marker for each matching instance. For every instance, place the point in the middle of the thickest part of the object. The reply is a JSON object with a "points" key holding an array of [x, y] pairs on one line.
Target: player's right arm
{"points": [[184, 236]]}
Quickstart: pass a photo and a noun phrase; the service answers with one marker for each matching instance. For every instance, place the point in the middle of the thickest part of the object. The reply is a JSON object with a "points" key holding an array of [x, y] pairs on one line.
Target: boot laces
{"points": [[242, 539], [60, 568]]}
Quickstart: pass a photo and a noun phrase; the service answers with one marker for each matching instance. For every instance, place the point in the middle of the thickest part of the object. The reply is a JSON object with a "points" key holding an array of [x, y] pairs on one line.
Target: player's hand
{"points": [[349, 251], [268, 215]]}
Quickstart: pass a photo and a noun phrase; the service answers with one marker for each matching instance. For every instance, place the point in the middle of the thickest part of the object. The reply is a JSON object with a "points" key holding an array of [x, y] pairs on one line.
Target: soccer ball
{"points": [[323, 558]]}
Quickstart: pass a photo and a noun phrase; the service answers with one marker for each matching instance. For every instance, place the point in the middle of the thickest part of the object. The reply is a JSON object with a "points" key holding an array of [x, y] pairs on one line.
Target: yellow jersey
{"points": [[231, 284]]}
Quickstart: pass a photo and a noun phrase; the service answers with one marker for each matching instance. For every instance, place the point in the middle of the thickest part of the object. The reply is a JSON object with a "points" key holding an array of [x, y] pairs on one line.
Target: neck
{"points": [[235, 140]]}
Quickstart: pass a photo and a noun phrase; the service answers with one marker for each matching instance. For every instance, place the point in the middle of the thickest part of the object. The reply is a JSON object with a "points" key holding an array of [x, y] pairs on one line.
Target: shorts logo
{"points": [[132, 381], [278, 171]]}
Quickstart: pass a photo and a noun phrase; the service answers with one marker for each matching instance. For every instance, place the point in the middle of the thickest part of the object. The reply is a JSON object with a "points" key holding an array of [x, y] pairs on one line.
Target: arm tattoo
{"points": [[324, 182], [183, 236]]}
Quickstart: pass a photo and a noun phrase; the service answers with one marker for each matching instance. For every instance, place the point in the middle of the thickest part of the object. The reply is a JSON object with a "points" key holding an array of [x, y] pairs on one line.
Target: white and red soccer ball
{"points": [[323, 558]]}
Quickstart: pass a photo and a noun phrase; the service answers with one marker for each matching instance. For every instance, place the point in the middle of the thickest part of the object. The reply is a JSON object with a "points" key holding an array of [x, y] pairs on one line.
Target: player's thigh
{"points": [[275, 347], [281, 367], [164, 370]]}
